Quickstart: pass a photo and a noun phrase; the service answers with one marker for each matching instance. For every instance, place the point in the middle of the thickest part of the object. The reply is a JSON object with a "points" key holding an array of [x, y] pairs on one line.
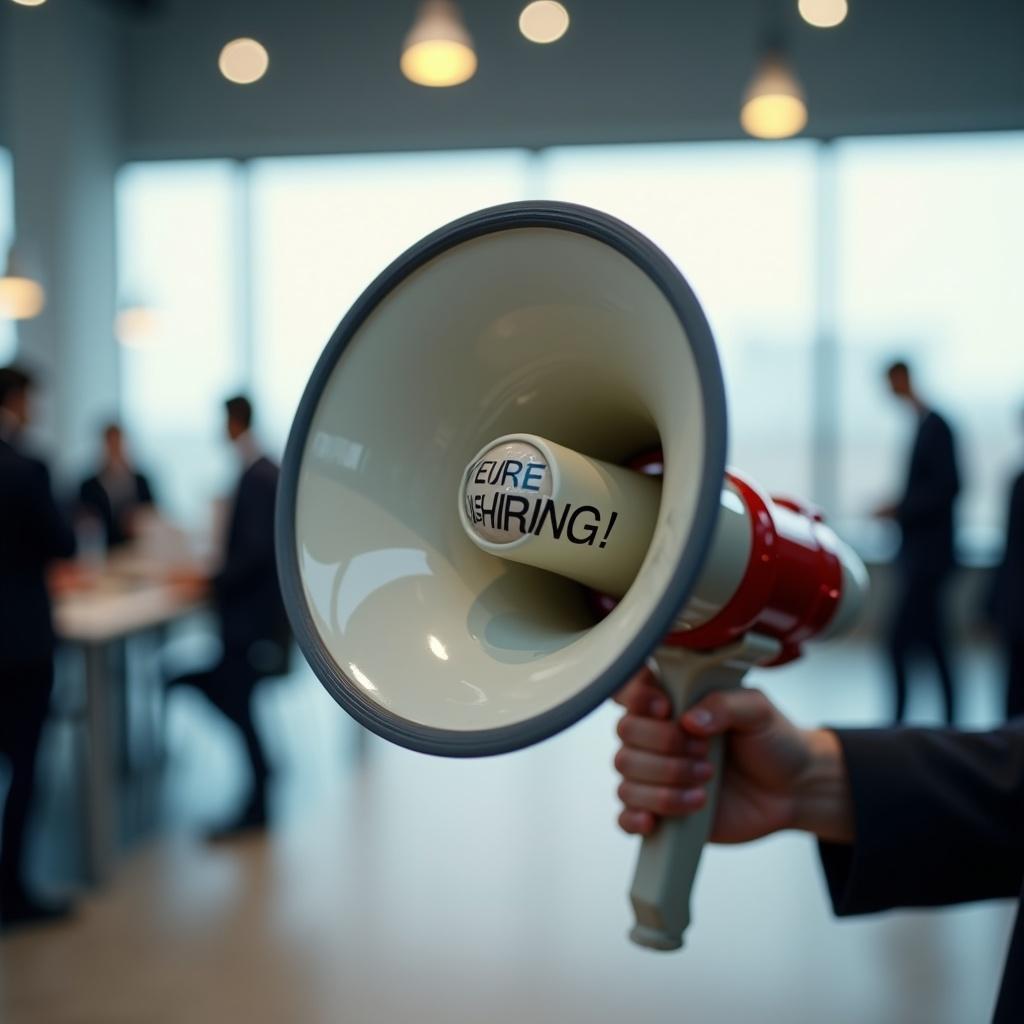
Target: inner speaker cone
{"points": [[538, 317]]}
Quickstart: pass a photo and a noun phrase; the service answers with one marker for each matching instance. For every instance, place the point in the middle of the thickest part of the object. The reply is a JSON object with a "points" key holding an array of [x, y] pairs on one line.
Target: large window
{"points": [[815, 264], [929, 268], [178, 254], [738, 220], [325, 227]]}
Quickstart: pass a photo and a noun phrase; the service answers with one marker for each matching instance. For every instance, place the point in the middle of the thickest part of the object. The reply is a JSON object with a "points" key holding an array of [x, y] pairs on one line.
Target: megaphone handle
{"points": [[669, 858]]}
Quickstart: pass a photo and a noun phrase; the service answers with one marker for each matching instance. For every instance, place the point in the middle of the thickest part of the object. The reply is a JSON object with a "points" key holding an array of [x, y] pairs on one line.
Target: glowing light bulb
{"points": [[823, 13], [773, 105], [438, 51], [243, 61], [21, 298], [544, 21], [136, 326]]}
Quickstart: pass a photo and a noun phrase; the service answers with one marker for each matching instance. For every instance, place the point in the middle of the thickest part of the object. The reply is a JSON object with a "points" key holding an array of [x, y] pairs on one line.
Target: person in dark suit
{"points": [[1008, 599], [253, 624], [32, 534], [116, 492], [926, 556], [904, 817]]}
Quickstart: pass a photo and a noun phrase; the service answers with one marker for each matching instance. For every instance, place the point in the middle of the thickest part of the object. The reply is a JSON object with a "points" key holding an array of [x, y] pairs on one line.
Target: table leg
{"points": [[100, 777]]}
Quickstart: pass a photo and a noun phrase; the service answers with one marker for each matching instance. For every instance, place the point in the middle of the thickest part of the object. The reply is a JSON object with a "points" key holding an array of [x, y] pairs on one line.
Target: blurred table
{"points": [[96, 608]]}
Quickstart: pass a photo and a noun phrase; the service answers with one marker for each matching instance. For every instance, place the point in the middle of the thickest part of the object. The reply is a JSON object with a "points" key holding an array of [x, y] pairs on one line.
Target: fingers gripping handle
{"points": [[669, 858]]}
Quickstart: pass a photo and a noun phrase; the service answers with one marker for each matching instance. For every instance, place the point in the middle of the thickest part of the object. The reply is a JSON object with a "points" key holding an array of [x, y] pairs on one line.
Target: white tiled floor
{"points": [[404, 888]]}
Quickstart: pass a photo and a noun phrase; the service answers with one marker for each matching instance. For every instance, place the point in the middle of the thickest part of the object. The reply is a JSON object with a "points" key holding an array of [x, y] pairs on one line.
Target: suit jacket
{"points": [[1008, 586], [94, 496], [925, 513], [246, 590], [32, 533], [939, 818]]}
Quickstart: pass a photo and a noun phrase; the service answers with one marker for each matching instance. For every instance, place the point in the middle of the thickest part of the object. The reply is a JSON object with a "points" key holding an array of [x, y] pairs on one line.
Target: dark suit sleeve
{"points": [[939, 818], [251, 555], [935, 481], [50, 533], [88, 498]]}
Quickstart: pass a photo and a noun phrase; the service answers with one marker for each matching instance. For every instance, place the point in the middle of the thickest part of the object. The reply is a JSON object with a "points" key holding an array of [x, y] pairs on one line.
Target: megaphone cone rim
{"points": [[670, 282]]}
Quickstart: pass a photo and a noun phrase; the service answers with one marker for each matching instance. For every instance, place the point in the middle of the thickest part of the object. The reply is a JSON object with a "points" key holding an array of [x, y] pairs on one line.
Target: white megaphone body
{"points": [[473, 547]]}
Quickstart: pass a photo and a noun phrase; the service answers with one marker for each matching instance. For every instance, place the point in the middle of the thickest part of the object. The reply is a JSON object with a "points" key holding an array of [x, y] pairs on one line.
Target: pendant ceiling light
{"points": [[544, 21], [773, 105], [21, 297], [243, 61], [823, 13], [438, 51], [137, 325]]}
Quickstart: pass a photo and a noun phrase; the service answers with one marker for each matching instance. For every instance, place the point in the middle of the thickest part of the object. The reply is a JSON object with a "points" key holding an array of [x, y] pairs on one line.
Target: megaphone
{"points": [[473, 549]]}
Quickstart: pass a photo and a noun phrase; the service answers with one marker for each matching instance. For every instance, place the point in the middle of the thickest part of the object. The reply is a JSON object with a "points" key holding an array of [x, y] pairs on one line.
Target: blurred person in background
{"points": [[1008, 598], [926, 558], [253, 626], [32, 534], [117, 491]]}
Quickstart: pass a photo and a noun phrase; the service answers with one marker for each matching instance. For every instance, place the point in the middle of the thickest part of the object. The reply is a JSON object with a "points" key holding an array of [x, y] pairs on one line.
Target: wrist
{"points": [[822, 802]]}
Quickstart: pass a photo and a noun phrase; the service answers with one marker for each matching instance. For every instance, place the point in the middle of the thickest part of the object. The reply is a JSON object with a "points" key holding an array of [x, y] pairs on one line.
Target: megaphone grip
{"points": [[669, 858]]}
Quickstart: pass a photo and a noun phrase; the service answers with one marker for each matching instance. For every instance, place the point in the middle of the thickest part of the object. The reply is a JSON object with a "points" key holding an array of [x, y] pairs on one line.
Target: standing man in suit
{"points": [[1009, 599], [32, 534], [117, 490], [253, 626], [926, 556]]}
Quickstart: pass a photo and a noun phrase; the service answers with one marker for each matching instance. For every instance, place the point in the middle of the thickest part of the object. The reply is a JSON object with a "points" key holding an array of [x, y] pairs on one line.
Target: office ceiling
{"points": [[627, 70]]}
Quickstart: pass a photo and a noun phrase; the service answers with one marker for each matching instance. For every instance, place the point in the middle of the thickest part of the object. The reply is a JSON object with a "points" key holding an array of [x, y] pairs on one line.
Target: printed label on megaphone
{"points": [[508, 496], [504, 489], [530, 500]]}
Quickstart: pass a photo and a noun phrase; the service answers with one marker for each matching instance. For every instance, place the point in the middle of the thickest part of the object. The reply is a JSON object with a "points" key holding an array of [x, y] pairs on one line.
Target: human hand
{"points": [[774, 775], [67, 577]]}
